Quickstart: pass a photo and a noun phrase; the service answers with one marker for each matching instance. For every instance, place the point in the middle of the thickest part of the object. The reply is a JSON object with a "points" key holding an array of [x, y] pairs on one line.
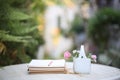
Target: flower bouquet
{"points": [[81, 62]]}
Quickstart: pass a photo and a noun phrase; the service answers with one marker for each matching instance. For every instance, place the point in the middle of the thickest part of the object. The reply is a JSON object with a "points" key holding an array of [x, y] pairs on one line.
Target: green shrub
{"points": [[101, 30], [19, 36]]}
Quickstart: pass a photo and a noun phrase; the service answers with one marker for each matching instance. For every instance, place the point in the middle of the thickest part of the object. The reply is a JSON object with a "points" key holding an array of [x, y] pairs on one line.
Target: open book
{"points": [[46, 66]]}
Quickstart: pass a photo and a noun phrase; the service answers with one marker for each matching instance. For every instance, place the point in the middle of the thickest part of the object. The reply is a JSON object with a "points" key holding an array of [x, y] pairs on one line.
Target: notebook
{"points": [[47, 66]]}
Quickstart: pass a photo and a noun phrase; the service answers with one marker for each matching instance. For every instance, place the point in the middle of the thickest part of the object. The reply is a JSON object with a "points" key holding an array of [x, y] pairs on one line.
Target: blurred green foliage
{"points": [[19, 36], [101, 30], [77, 25]]}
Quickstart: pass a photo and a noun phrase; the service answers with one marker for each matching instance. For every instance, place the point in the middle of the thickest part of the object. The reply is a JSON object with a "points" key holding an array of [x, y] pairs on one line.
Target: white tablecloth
{"points": [[98, 72]]}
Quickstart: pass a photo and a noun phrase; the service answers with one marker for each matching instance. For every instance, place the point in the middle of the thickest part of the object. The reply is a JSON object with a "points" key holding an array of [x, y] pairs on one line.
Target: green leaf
{"points": [[12, 38], [15, 14]]}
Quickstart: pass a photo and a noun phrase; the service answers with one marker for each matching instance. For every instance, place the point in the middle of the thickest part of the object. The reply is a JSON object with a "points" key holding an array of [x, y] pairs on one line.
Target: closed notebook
{"points": [[47, 66], [47, 72]]}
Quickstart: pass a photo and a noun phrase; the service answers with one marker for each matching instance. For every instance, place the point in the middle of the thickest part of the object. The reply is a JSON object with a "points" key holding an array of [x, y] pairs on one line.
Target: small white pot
{"points": [[81, 65]]}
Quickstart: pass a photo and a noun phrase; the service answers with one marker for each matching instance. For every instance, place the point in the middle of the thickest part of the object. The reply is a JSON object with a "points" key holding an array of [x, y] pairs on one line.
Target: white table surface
{"points": [[98, 72]]}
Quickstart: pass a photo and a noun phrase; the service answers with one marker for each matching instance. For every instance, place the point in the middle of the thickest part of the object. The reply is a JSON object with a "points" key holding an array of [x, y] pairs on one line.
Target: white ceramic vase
{"points": [[81, 64]]}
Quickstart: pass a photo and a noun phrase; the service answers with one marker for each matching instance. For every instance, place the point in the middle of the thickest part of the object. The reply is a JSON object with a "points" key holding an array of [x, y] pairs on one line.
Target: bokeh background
{"points": [[45, 29]]}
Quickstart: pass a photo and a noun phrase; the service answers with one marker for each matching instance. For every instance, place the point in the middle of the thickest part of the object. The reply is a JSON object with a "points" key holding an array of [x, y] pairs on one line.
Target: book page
{"points": [[47, 63], [47, 68]]}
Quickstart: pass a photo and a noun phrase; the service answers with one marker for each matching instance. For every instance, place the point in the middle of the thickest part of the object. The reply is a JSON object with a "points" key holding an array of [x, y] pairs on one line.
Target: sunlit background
{"points": [[45, 29]]}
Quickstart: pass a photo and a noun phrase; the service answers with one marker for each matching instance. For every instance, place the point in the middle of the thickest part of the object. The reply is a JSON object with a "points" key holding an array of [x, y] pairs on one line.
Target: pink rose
{"points": [[67, 54], [94, 57]]}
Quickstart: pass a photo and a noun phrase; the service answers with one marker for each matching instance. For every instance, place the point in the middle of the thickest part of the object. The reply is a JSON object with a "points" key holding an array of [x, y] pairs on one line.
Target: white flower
{"points": [[74, 51]]}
